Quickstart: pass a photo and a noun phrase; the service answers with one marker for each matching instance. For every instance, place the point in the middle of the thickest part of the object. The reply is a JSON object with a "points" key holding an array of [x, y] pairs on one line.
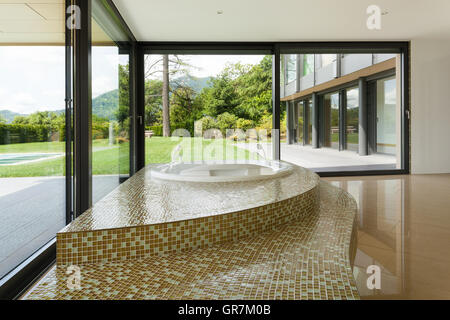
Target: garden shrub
{"points": [[157, 130], [244, 124], [100, 130], [23, 133], [226, 121], [208, 123]]}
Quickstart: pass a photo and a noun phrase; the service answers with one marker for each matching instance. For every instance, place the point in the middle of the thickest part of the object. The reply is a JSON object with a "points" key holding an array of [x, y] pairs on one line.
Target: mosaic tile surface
{"points": [[123, 240], [142, 241], [305, 259], [142, 200]]}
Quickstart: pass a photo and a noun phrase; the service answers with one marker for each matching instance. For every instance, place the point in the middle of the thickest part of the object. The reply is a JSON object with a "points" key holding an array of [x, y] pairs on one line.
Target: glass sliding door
{"points": [[331, 120], [300, 121], [291, 67], [352, 119], [110, 105], [356, 123], [386, 116], [209, 107], [32, 131]]}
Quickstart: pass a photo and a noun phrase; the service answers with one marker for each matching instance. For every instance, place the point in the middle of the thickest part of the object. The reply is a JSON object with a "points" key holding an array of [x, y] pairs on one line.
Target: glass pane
{"points": [[32, 132], [327, 59], [321, 74], [352, 118], [386, 116], [218, 107], [331, 120], [308, 64], [110, 114], [291, 67], [300, 120]]}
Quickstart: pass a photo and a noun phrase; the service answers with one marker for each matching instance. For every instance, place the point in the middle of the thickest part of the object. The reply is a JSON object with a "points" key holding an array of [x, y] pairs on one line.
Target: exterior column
{"points": [[289, 122], [315, 120], [276, 104], [295, 122], [363, 118], [305, 122], [342, 119]]}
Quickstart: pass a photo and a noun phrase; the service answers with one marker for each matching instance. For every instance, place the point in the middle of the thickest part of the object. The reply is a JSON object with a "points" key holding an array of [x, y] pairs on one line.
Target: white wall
{"points": [[430, 105]]}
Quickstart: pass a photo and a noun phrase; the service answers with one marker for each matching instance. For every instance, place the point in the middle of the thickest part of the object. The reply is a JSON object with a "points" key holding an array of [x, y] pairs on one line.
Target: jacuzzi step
{"points": [[146, 217]]}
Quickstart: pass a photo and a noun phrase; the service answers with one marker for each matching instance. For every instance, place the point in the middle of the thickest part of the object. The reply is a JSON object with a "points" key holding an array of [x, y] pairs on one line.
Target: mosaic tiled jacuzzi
{"points": [[248, 230]]}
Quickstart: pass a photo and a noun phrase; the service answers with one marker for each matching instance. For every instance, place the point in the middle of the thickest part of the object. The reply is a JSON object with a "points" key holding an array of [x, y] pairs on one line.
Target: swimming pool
{"points": [[21, 158]]}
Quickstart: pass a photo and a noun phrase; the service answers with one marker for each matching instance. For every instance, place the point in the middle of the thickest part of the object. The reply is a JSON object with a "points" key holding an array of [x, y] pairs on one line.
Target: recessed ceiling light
{"points": [[219, 11]]}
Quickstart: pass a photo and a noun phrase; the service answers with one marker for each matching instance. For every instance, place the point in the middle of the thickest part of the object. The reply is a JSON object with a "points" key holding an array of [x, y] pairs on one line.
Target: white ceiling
{"points": [[32, 21], [37, 22], [282, 20]]}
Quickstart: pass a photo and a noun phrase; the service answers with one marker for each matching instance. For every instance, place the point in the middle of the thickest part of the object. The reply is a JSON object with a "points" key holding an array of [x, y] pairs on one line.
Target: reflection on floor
{"points": [[404, 228], [326, 159], [27, 225]]}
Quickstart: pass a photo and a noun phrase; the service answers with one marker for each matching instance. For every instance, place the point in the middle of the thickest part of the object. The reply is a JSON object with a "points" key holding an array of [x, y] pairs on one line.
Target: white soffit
{"points": [[282, 20], [32, 22]]}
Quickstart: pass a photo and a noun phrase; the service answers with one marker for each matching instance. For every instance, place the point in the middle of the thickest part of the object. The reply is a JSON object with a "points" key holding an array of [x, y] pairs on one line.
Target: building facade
{"points": [[343, 101]]}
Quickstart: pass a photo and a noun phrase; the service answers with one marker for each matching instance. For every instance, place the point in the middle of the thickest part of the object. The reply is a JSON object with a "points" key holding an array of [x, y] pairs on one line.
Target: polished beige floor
{"points": [[404, 228]]}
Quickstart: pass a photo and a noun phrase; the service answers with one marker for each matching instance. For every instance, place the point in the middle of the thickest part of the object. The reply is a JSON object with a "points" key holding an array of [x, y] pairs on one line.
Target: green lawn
{"points": [[351, 138], [105, 157]]}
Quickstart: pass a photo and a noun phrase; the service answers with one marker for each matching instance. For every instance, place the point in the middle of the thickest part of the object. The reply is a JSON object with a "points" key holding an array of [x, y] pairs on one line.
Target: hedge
{"points": [[157, 130], [22, 133]]}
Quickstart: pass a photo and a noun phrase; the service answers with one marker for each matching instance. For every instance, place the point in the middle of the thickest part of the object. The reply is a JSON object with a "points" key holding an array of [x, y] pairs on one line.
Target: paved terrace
{"points": [[325, 159], [32, 210]]}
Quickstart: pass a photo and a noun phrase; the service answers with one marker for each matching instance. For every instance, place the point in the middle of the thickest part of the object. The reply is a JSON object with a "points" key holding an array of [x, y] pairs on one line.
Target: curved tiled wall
{"points": [[259, 206], [308, 258]]}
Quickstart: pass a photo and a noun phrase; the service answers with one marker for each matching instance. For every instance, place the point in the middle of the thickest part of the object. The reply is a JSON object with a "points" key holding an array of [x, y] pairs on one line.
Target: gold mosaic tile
{"points": [[141, 241], [143, 200], [308, 258], [124, 241]]}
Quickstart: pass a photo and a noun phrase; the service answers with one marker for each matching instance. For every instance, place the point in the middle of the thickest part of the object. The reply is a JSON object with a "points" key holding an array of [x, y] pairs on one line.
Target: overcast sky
{"points": [[212, 65], [32, 78]]}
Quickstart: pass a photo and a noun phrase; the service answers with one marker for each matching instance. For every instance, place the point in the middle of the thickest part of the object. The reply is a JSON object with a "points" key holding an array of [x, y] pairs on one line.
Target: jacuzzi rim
{"points": [[286, 168]]}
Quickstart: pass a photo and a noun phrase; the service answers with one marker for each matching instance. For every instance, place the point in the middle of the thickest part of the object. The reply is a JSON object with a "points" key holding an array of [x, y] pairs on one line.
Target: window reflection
{"points": [[386, 116], [352, 119], [308, 64], [110, 113], [331, 120], [291, 67]]}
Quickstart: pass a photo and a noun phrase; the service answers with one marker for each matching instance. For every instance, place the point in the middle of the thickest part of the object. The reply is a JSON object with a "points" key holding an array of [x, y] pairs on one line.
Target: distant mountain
{"points": [[197, 84], [105, 105], [9, 115]]}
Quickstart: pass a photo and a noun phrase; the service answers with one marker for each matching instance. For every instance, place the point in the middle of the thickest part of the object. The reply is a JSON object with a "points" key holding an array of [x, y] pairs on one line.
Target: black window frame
{"points": [[78, 124]]}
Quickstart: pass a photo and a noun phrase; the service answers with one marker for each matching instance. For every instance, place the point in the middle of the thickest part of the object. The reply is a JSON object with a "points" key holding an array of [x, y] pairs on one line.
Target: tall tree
{"points": [[169, 66], [153, 102]]}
